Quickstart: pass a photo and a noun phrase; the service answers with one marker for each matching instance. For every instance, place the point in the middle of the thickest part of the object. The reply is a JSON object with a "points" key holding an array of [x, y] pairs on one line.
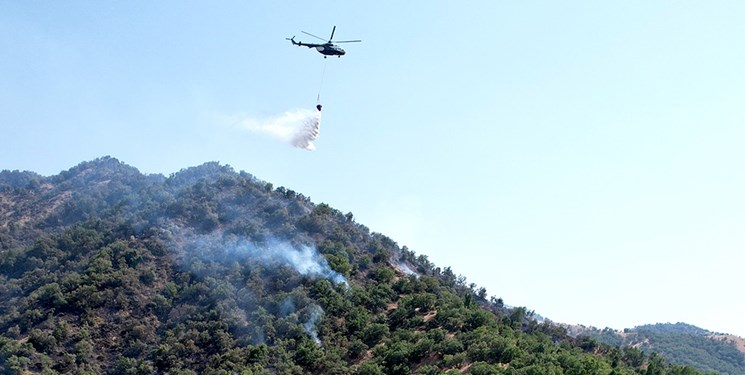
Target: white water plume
{"points": [[299, 127]]}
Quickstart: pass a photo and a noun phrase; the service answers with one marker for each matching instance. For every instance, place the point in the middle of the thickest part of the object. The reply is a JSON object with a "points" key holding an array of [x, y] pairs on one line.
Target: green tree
{"points": [[370, 368]]}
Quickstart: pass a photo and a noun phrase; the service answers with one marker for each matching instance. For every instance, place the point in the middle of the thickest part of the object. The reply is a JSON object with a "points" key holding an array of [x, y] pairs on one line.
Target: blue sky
{"points": [[580, 158]]}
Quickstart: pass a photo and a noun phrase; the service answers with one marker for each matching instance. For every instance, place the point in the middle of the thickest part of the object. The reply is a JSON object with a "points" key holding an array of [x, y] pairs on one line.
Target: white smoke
{"points": [[305, 259], [287, 307], [308, 316], [299, 127], [316, 312], [403, 267]]}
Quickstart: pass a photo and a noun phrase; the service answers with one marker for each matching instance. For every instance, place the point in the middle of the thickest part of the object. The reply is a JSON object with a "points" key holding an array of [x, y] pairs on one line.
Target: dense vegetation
{"points": [[681, 343], [106, 270]]}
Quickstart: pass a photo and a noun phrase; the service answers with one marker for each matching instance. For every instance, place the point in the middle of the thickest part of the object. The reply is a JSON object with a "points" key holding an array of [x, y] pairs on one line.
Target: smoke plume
{"points": [[315, 313], [197, 250], [298, 127], [403, 267], [304, 259]]}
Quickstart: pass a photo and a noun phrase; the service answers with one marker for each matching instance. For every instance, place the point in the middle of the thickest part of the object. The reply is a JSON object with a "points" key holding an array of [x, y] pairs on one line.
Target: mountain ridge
{"points": [[107, 270], [682, 343]]}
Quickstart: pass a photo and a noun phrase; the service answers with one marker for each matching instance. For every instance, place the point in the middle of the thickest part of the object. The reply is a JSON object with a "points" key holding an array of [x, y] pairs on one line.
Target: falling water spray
{"points": [[299, 127]]}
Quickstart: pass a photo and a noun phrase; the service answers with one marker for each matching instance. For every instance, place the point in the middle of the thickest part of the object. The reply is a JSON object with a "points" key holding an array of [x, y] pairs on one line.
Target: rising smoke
{"points": [[315, 313], [218, 246], [403, 267], [309, 316], [298, 127]]}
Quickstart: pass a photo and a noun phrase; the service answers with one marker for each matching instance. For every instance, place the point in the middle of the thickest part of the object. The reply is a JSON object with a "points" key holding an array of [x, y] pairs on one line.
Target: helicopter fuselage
{"points": [[329, 48], [326, 49]]}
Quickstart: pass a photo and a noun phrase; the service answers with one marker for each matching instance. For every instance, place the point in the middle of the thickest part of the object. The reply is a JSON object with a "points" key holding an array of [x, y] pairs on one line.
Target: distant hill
{"points": [[682, 344], [212, 271]]}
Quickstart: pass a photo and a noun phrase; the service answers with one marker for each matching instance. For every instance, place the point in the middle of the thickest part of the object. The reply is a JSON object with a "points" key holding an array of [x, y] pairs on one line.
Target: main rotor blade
{"points": [[332, 33], [318, 37], [345, 41]]}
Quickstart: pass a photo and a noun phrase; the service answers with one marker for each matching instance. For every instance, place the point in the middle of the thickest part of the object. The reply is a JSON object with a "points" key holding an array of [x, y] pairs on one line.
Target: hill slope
{"points": [[681, 343], [106, 270]]}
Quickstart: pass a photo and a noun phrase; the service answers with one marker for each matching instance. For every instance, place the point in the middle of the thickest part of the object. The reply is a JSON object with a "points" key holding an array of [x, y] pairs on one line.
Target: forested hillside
{"points": [[106, 270], [681, 343]]}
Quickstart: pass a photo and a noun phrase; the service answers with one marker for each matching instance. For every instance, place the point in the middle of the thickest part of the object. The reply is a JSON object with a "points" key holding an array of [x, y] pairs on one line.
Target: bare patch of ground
{"points": [[739, 342]]}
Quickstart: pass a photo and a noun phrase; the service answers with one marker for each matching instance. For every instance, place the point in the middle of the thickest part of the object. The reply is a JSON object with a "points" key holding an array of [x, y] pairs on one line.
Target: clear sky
{"points": [[581, 158]]}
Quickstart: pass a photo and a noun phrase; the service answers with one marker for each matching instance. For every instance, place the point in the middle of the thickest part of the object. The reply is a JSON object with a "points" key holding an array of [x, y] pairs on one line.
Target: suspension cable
{"points": [[320, 86]]}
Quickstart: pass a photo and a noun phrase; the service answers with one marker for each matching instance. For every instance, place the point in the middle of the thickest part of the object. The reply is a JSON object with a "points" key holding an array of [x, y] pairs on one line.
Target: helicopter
{"points": [[326, 49]]}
